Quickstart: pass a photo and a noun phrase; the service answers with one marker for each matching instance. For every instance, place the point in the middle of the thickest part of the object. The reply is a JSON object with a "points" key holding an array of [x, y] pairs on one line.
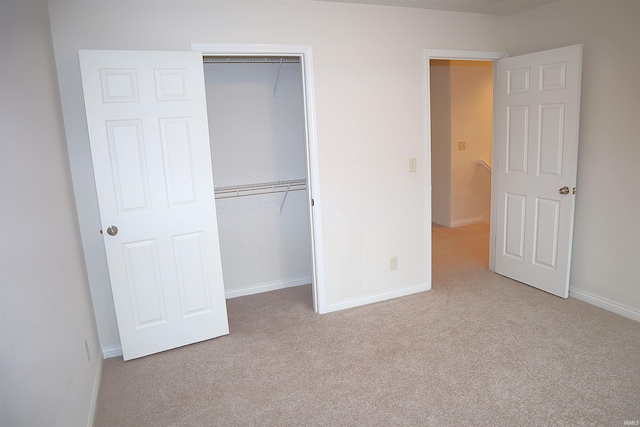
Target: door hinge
{"points": [[313, 202]]}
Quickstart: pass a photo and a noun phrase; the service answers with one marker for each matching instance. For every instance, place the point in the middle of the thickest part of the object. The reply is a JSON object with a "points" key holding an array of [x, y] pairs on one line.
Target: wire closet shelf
{"points": [[241, 190]]}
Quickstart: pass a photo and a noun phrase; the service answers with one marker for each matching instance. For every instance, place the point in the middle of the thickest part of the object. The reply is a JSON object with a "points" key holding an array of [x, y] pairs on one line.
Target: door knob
{"points": [[563, 190], [113, 230]]}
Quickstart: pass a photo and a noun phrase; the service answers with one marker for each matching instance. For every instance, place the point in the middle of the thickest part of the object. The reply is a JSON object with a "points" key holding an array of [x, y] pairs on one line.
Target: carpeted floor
{"points": [[478, 349]]}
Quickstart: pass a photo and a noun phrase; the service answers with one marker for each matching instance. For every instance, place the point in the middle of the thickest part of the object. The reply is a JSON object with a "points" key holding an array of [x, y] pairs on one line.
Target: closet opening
{"points": [[260, 157]]}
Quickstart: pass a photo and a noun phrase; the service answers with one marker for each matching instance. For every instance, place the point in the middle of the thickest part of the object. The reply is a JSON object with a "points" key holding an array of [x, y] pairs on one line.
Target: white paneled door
{"points": [[149, 137], [538, 120]]}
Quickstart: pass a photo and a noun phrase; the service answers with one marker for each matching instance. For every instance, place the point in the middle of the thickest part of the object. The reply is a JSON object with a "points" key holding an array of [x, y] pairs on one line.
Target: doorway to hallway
{"points": [[461, 101]]}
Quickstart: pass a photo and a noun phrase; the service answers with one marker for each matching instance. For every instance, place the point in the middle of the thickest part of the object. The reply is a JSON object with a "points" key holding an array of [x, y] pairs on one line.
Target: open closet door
{"points": [[147, 120], [538, 121]]}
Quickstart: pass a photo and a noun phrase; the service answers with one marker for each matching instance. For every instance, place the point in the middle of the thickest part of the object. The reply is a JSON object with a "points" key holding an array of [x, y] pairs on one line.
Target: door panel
{"points": [[518, 141], [148, 131], [130, 180], [546, 233], [145, 286], [538, 120], [515, 208], [175, 135]]}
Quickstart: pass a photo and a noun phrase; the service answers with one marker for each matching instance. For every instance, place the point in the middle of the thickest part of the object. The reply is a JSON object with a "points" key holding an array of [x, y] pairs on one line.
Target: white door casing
{"points": [[537, 145], [148, 130]]}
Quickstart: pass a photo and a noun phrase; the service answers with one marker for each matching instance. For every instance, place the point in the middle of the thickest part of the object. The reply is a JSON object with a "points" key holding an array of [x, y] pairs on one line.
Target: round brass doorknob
{"points": [[112, 230], [564, 190]]}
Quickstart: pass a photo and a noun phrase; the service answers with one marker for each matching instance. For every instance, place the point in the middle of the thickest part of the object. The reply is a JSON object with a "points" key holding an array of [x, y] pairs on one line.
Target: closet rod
{"points": [[251, 59]]}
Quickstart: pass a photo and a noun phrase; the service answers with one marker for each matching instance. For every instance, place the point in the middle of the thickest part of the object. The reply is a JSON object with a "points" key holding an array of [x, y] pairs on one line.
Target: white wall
{"points": [[368, 69], [258, 137], [46, 313], [606, 243], [461, 110]]}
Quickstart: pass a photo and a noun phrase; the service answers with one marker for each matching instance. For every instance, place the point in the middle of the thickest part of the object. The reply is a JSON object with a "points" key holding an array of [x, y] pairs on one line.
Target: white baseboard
{"points": [[462, 222], [266, 287], [112, 351], [606, 304], [91, 420], [468, 221], [442, 223], [375, 298]]}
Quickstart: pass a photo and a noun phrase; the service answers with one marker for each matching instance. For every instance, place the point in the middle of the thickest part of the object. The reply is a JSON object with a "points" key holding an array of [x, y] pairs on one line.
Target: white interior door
{"points": [[538, 121], [148, 130]]}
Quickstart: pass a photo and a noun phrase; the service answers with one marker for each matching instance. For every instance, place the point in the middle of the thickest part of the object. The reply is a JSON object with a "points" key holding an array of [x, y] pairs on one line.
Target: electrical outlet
{"points": [[86, 348], [462, 145], [412, 164], [393, 263]]}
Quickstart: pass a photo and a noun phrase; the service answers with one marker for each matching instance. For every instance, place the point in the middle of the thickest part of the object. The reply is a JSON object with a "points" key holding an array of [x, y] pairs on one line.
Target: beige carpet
{"points": [[478, 349]]}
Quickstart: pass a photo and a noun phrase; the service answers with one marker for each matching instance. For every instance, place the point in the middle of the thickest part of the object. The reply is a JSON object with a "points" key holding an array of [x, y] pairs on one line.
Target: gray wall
{"points": [[46, 312]]}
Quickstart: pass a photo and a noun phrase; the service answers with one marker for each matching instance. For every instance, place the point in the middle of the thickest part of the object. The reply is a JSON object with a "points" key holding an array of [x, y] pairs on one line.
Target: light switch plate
{"points": [[413, 164]]}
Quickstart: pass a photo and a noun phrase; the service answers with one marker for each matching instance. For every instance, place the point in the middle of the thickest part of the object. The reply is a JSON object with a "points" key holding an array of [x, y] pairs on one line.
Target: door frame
{"points": [[463, 55], [311, 145]]}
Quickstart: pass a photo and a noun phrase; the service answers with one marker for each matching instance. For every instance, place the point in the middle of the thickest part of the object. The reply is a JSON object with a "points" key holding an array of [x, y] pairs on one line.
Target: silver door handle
{"points": [[563, 190], [112, 230]]}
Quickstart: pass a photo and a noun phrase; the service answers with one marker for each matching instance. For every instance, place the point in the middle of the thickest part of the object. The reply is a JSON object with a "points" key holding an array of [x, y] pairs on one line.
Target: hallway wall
{"points": [[461, 105]]}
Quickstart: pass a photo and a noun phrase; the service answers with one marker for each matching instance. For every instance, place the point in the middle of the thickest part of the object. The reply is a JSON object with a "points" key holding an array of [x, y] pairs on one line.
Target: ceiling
{"points": [[490, 7]]}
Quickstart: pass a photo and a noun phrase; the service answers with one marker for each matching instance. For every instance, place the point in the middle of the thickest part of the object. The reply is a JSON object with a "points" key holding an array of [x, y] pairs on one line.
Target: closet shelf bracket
{"points": [[275, 85], [284, 199]]}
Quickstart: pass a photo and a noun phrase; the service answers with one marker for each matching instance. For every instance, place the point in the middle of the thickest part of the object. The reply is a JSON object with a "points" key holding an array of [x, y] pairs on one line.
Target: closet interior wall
{"points": [[258, 136]]}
